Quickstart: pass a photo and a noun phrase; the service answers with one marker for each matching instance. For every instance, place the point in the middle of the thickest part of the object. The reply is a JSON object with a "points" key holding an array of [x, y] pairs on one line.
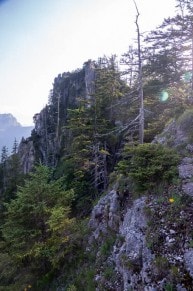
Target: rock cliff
{"points": [[45, 143], [145, 243]]}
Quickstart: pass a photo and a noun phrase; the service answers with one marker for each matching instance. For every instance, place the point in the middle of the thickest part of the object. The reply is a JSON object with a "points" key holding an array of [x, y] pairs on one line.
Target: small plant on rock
{"points": [[161, 267]]}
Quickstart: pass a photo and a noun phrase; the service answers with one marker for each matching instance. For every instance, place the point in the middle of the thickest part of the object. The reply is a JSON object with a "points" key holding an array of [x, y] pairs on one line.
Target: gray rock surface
{"points": [[186, 175], [26, 154], [188, 260], [130, 256], [172, 135], [169, 236], [105, 215], [133, 252], [188, 188], [186, 171]]}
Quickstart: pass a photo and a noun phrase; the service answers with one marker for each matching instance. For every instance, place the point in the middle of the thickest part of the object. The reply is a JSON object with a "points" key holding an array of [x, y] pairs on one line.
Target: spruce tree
{"points": [[37, 222]]}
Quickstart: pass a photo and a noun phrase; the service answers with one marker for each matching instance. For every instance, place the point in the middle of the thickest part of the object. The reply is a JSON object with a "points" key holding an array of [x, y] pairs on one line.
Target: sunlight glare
{"points": [[164, 96], [187, 76]]}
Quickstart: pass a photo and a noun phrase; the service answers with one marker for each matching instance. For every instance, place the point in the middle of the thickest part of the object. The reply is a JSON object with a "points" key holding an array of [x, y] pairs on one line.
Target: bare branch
{"points": [[140, 79], [136, 8], [122, 128]]}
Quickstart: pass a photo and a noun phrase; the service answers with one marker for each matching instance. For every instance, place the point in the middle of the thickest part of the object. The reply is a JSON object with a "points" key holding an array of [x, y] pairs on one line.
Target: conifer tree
{"points": [[171, 47], [14, 173], [37, 221], [89, 143], [4, 159]]}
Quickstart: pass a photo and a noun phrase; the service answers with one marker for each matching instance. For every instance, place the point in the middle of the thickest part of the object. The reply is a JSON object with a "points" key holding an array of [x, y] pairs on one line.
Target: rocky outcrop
{"points": [[133, 258], [173, 135], [152, 249], [150, 239], [130, 256], [188, 258], [178, 134], [186, 175], [186, 168], [45, 142], [26, 153], [105, 216]]}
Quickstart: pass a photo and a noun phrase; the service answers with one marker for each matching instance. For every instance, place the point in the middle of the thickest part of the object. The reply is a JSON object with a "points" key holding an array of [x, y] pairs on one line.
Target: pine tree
{"points": [[37, 221], [4, 160], [14, 174], [15, 147], [171, 47], [167, 70], [89, 143]]}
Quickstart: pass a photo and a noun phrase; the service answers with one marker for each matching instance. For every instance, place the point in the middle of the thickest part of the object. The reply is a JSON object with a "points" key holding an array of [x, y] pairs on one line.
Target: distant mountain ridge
{"points": [[8, 120], [11, 129]]}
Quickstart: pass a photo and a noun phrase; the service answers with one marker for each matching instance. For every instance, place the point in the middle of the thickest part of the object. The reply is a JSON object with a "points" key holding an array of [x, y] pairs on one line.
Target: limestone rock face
{"points": [[145, 242], [45, 143], [130, 255], [133, 258], [105, 215], [186, 170], [188, 188], [186, 175], [26, 154], [188, 258], [172, 135]]}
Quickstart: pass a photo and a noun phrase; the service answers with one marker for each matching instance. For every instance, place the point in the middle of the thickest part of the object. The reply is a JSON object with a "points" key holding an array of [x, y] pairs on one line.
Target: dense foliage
{"points": [[37, 232], [90, 127], [149, 165]]}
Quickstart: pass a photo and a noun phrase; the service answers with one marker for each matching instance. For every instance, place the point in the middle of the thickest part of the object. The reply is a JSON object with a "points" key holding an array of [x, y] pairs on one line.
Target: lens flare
{"points": [[164, 96], [171, 200], [187, 77]]}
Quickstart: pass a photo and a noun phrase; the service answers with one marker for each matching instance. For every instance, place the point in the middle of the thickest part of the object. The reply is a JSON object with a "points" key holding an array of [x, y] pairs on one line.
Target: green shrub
{"points": [[161, 267], [85, 279], [72, 288], [109, 272], [169, 287], [107, 246], [148, 165]]}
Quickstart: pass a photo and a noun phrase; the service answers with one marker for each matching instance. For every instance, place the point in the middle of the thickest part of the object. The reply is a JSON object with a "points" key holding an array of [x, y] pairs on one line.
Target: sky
{"points": [[40, 39]]}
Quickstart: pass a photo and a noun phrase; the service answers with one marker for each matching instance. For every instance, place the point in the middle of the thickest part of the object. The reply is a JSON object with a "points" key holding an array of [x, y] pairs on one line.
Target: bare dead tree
{"points": [[46, 133], [140, 80], [58, 117]]}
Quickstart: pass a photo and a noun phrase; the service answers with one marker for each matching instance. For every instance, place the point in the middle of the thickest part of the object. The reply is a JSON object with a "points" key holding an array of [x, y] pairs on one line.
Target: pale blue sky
{"points": [[41, 38]]}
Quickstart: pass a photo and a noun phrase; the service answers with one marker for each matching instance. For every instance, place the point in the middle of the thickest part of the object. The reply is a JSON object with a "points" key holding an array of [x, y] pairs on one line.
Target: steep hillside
{"points": [[84, 206], [145, 242], [100, 196], [79, 132]]}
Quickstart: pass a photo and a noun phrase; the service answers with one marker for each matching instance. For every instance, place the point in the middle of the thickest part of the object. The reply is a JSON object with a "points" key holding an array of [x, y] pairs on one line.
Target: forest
{"points": [[97, 130]]}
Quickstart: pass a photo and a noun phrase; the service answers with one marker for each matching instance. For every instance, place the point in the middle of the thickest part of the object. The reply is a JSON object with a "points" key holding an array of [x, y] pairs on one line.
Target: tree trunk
{"points": [[140, 82]]}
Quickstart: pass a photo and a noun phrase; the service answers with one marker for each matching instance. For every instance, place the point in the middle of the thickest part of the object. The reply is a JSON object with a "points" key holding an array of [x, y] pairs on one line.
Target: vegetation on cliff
{"points": [[85, 140]]}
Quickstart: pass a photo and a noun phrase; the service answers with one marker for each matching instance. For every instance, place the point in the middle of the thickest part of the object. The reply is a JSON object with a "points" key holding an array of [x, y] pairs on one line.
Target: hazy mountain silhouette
{"points": [[11, 129]]}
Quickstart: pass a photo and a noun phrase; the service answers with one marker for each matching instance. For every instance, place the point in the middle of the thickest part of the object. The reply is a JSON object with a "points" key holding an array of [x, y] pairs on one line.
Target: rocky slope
{"points": [[146, 243], [140, 242]]}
